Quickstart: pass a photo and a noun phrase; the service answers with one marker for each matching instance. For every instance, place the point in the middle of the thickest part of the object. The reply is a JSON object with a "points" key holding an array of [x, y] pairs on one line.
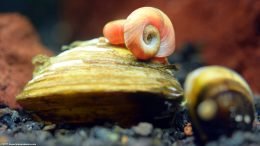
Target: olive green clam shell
{"points": [[96, 81]]}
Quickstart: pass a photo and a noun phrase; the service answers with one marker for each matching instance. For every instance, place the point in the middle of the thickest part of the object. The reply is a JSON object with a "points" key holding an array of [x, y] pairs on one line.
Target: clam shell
{"points": [[94, 81]]}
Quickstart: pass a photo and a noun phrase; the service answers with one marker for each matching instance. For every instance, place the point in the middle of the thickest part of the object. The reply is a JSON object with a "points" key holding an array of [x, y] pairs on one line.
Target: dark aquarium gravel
{"points": [[18, 127]]}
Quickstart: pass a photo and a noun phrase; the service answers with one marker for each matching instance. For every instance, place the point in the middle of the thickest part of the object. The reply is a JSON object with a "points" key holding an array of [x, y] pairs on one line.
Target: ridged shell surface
{"points": [[94, 81]]}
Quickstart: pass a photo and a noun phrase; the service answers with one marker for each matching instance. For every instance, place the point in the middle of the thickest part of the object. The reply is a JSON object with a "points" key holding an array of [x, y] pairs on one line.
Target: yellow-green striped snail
{"points": [[219, 102]]}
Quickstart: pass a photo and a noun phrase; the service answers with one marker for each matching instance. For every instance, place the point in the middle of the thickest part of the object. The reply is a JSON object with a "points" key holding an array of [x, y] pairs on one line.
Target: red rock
{"points": [[18, 44]]}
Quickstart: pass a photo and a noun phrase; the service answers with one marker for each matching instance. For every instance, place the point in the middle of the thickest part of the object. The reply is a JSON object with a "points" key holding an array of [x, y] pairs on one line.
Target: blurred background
{"points": [[223, 32]]}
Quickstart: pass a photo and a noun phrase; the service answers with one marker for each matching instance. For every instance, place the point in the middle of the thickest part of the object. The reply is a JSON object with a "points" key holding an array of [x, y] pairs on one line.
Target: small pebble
{"points": [[3, 140], [49, 127], [105, 134], [157, 133], [124, 139], [143, 129]]}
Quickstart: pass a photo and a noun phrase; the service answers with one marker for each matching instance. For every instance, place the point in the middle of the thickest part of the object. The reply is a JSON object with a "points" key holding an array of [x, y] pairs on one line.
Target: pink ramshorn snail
{"points": [[147, 32]]}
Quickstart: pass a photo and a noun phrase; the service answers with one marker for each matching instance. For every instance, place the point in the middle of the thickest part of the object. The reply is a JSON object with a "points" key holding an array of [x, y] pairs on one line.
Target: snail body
{"points": [[147, 33], [114, 31], [94, 81], [219, 102]]}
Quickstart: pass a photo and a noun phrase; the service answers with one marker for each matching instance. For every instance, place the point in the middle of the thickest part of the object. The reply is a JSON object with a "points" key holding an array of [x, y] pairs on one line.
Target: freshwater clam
{"points": [[94, 81]]}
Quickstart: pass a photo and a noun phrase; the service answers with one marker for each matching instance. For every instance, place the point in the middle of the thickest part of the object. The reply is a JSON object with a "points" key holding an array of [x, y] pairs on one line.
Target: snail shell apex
{"points": [[94, 80]]}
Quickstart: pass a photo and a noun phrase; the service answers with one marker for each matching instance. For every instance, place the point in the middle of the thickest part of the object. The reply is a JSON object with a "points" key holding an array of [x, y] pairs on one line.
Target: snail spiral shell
{"points": [[147, 32]]}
